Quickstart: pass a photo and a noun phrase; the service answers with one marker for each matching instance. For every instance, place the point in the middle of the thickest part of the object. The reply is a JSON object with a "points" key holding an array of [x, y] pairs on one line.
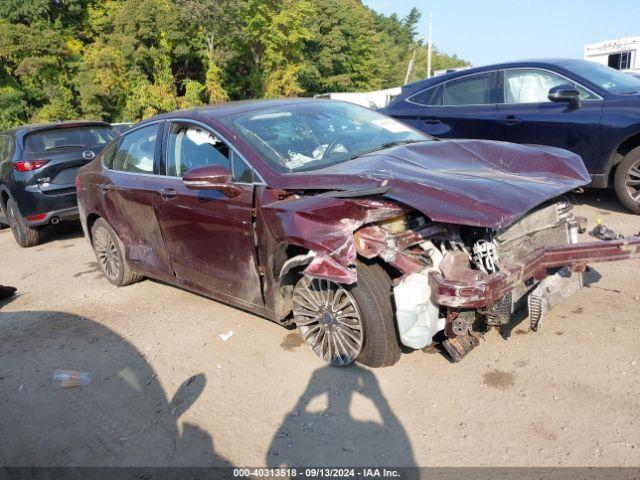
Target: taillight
{"points": [[37, 217], [28, 165], [77, 183]]}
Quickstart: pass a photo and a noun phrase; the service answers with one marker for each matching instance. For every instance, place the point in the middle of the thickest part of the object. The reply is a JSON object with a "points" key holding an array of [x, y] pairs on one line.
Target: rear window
{"points": [[68, 137]]}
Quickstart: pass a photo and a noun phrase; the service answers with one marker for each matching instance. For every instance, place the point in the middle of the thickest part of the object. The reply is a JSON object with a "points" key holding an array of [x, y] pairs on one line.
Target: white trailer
{"points": [[622, 54]]}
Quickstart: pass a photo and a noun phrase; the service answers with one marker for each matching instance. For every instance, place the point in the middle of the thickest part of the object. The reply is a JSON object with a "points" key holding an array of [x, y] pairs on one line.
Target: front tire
{"points": [[346, 323], [627, 181], [25, 235], [109, 253]]}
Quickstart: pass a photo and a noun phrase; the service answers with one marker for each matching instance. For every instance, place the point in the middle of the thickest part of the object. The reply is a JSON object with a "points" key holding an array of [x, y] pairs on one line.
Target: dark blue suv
{"points": [[580, 106], [38, 168]]}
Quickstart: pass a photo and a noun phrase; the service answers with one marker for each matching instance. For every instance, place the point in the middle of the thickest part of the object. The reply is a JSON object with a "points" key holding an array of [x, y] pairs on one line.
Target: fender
{"points": [[602, 180], [325, 225]]}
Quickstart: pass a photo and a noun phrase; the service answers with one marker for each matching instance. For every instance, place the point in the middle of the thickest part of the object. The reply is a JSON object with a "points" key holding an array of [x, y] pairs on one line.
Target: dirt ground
{"points": [[167, 390]]}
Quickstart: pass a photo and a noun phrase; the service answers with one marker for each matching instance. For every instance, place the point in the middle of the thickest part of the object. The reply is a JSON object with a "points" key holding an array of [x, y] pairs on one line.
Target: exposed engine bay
{"points": [[417, 249]]}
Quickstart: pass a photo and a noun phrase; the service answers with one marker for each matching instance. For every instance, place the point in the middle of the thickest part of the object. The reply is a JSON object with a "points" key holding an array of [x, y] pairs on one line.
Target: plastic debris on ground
{"points": [[71, 378], [603, 232], [226, 335]]}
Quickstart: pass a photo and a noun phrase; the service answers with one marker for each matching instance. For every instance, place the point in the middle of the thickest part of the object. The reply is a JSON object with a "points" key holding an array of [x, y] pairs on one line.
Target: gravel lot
{"points": [[167, 390]]}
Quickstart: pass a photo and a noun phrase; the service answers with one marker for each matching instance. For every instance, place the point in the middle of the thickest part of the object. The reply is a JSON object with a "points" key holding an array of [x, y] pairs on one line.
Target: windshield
{"points": [[314, 135], [609, 79], [68, 137]]}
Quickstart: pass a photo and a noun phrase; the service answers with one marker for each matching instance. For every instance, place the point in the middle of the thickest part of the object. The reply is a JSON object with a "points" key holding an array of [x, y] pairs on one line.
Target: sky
{"points": [[493, 31]]}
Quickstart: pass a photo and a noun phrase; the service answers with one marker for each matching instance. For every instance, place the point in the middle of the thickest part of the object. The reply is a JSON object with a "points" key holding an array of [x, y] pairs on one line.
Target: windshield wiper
{"points": [[65, 146], [384, 146], [629, 92]]}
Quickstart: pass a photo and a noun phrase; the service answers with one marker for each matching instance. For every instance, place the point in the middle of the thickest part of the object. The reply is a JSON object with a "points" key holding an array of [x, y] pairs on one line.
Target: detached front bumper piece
{"points": [[534, 268]]}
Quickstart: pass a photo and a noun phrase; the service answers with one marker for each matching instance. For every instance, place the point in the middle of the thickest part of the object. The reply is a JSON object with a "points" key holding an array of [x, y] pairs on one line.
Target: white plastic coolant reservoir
{"points": [[418, 319]]}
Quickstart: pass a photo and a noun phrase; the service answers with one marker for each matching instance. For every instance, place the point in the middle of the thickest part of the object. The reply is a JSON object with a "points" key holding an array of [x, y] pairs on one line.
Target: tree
{"points": [[217, 22], [120, 60], [343, 51]]}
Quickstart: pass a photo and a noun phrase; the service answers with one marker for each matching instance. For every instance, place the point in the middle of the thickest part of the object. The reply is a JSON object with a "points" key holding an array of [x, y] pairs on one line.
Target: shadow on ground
{"points": [[321, 430], [603, 199], [122, 418]]}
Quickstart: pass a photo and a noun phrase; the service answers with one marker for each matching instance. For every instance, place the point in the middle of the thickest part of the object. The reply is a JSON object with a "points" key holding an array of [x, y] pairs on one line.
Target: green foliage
{"points": [[124, 60], [12, 107]]}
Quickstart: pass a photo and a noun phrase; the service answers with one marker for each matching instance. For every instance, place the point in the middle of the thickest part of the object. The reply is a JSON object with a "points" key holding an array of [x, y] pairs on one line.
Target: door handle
{"points": [[511, 120], [105, 188], [168, 193], [432, 121]]}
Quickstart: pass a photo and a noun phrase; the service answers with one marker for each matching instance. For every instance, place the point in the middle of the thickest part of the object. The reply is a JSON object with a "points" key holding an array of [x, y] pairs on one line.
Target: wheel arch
{"points": [[91, 219], [288, 273], [618, 154], [5, 195]]}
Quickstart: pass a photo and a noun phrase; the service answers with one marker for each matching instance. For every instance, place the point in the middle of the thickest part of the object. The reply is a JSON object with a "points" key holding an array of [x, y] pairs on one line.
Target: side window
{"points": [[4, 147], [108, 154], [136, 151], [7, 148], [430, 97], [190, 146], [527, 85], [241, 171], [471, 90]]}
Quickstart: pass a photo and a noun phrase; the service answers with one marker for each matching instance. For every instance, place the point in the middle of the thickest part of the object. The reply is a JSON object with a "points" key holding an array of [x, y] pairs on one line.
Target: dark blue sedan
{"points": [[580, 106]]}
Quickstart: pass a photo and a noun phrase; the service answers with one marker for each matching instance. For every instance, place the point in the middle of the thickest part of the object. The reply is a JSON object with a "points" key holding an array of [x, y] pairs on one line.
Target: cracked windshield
{"points": [[301, 138]]}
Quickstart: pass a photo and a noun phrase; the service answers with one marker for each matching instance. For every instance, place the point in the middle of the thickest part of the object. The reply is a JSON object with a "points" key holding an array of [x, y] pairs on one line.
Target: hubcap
{"points": [[632, 181], [14, 222], [328, 320], [106, 252]]}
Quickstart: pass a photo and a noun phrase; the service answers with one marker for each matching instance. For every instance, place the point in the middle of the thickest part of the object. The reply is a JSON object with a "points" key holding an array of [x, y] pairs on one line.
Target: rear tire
{"points": [[109, 253], [25, 235], [627, 181], [356, 319]]}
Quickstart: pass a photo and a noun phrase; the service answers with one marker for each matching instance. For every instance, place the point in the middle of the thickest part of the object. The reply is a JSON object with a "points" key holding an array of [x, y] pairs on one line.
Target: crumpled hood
{"points": [[466, 182]]}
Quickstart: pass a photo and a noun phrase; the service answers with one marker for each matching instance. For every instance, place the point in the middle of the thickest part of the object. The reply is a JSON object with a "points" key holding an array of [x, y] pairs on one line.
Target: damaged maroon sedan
{"points": [[364, 233]]}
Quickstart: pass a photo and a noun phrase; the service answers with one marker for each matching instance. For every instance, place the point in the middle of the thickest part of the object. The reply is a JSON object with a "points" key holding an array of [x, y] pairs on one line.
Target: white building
{"points": [[621, 54], [373, 100]]}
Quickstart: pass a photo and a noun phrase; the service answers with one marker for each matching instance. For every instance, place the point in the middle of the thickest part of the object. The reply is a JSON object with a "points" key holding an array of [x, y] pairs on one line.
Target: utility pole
{"points": [[429, 50], [413, 59], [410, 67]]}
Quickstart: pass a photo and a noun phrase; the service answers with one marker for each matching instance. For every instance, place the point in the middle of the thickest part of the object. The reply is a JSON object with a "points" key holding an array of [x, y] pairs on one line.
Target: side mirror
{"points": [[565, 93], [211, 177]]}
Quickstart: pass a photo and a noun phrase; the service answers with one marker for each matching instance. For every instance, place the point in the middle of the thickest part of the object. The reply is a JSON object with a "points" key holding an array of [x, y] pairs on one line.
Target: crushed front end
{"points": [[452, 283]]}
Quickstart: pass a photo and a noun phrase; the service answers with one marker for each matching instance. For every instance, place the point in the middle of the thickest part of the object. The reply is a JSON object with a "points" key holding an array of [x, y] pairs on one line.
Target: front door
{"points": [[528, 116], [209, 236]]}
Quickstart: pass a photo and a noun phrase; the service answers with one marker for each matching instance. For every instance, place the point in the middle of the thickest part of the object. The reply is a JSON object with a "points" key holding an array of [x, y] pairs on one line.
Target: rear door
{"points": [[65, 149], [209, 236], [528, 116], [128, 198], [464, 107]]}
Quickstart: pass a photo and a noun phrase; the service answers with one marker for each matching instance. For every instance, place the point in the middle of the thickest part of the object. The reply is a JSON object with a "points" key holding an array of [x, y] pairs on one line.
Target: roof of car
{"points": [[232, 108], [32, 127], [535, 62]]}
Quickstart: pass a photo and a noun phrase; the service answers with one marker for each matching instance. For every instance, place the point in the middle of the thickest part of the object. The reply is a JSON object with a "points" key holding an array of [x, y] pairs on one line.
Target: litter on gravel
{"points": [[226, 335], [71, 378]]}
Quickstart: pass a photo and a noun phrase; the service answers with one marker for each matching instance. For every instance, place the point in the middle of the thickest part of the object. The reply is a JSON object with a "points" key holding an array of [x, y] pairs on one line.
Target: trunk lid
{"points": [[58, 175]]}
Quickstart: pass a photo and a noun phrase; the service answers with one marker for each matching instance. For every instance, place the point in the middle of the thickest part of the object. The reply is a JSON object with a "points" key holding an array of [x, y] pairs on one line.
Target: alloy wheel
{"points": [[328, 319], [632, 181], [107, 253]]}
